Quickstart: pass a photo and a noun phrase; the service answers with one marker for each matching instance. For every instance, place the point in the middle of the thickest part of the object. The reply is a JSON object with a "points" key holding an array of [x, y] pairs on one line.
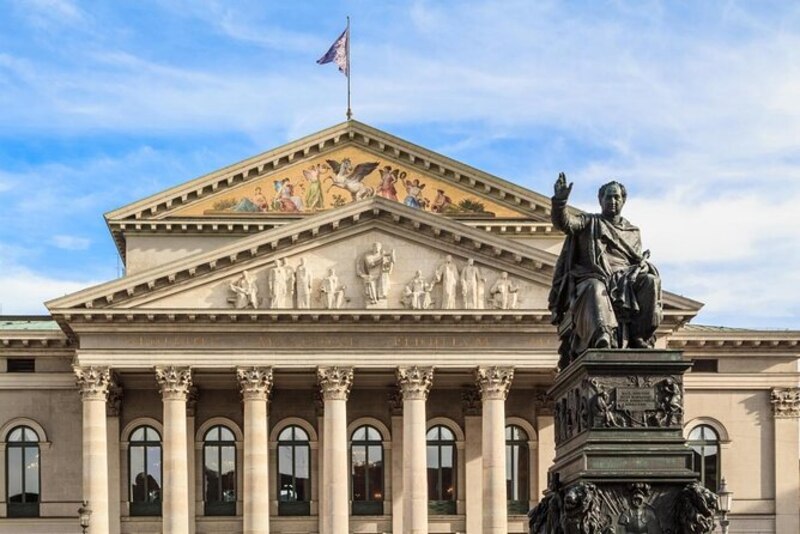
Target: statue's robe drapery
{"points": [[601, 280]]}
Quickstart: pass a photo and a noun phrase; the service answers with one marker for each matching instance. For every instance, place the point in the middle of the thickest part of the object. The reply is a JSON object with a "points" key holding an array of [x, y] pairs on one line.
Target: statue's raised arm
{"points": [[605, 293], [561, 189]]}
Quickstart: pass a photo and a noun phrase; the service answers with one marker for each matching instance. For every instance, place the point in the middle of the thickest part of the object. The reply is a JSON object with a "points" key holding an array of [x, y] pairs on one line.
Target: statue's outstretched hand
{"points": [[562, 190]]}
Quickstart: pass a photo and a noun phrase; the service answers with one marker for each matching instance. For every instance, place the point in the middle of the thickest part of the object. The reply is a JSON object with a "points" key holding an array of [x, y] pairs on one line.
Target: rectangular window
{"points": [[21, 365], [705, 365]]}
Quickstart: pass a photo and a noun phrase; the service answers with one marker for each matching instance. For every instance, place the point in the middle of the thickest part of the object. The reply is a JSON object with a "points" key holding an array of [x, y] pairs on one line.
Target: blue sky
{"points": [[693, 105]]}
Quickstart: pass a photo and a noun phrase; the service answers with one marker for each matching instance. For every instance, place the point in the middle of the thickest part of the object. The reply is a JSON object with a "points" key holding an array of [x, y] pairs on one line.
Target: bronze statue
{"points": [[606, 293]]}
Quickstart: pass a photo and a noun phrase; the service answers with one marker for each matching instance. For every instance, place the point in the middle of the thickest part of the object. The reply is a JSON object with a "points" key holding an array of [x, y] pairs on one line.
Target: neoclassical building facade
{"points": [[348, 333]]}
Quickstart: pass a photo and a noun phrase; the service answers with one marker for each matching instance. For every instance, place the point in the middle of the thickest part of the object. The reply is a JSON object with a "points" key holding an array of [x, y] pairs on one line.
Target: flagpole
{"points": [[349, 111]]}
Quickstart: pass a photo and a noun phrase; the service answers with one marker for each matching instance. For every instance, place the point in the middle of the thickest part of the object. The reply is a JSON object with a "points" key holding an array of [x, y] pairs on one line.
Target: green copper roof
{"points": [[28, 323]]}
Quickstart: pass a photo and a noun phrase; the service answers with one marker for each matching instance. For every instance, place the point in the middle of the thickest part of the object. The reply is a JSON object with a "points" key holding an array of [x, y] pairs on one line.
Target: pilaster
{"points": [[786, 411]]}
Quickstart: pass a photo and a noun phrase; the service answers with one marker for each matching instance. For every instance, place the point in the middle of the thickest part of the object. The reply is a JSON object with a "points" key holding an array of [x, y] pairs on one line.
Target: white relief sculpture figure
{"points": [[447, 275], [302, 279], [290, 281], [472, 286], [245, 292], [279, 282], [503, 293], [374, 268], [417, 294], [332, 293]]}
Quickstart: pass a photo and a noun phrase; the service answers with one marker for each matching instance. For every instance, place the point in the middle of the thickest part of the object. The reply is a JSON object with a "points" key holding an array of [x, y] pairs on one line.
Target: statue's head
{"points": [[612, 197], [470, 261], [448, 258], [376, 247]]}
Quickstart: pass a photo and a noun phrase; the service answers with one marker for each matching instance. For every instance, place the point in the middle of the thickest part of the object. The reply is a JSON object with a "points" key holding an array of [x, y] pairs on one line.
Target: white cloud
{"points": [[23, 291], [69, 242]]}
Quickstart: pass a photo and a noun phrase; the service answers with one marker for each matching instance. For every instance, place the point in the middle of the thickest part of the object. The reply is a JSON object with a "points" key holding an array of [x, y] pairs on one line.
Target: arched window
{"points": [[704, 442], [294, 472], [517, 469], [366, 471], [144, 471], [441, 470], [22, 472], [219, 471]]}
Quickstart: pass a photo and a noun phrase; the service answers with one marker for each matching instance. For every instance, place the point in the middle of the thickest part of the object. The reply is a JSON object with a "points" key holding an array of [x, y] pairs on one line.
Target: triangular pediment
{"points": [[340, 240], [333, 240], [277, 186]]}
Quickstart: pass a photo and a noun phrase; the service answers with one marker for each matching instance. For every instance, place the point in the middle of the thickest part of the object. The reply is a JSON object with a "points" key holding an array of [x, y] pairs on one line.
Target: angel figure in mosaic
{"points": [[414, 197], [351, 178]]}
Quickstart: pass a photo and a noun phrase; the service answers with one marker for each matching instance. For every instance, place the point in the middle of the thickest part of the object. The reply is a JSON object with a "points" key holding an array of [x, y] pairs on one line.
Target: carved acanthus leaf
{"points": [[335, 382], [174, 381], [255, 382], [94, 382], [785, 403], [415, 382], [494, 382]]}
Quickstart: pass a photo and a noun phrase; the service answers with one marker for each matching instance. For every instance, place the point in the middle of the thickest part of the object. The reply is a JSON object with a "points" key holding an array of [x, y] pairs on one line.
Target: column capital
{"points": [[335, 382], [494, 382], [175, 381], [94, 382], [255, 382], [785, 403], [415, 382]]}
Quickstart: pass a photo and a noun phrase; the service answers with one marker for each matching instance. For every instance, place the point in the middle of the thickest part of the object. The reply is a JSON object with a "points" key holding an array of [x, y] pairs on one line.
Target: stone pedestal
{"points": [[621, 463]]}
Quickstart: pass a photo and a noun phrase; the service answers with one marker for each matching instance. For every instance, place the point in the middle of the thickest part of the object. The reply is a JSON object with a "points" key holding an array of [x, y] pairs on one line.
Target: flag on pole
{"points": [[339, 53]]}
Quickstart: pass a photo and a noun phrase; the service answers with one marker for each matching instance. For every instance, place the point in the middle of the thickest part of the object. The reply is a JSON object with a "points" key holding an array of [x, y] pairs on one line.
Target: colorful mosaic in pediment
{"points": [[340, 177]]}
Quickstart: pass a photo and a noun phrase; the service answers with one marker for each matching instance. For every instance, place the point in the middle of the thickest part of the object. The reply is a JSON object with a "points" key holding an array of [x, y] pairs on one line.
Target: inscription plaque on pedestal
{"points": [[636, 399]]}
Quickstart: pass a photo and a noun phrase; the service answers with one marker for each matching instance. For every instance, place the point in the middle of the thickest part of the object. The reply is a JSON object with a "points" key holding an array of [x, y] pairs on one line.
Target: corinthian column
{"points": [[786, 409], [494, 383], [175, 383], [94, 383], [256, 384], [334, 385], [415, 384]]}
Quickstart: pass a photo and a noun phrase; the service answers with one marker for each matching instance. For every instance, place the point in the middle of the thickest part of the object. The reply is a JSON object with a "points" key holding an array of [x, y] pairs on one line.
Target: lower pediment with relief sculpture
{"points": [[373, 269]]}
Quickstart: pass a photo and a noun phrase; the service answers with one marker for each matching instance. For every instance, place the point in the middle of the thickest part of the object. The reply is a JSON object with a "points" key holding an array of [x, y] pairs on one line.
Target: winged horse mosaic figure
{"points": [[351, 178]]}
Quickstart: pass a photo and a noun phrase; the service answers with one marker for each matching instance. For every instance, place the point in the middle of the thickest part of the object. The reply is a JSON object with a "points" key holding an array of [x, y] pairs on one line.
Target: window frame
{"points": [[145, 508], [702, 443], [220, 507], [367, 506], [444, 506], [24, 508], [519, 506], [293, 508]]}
